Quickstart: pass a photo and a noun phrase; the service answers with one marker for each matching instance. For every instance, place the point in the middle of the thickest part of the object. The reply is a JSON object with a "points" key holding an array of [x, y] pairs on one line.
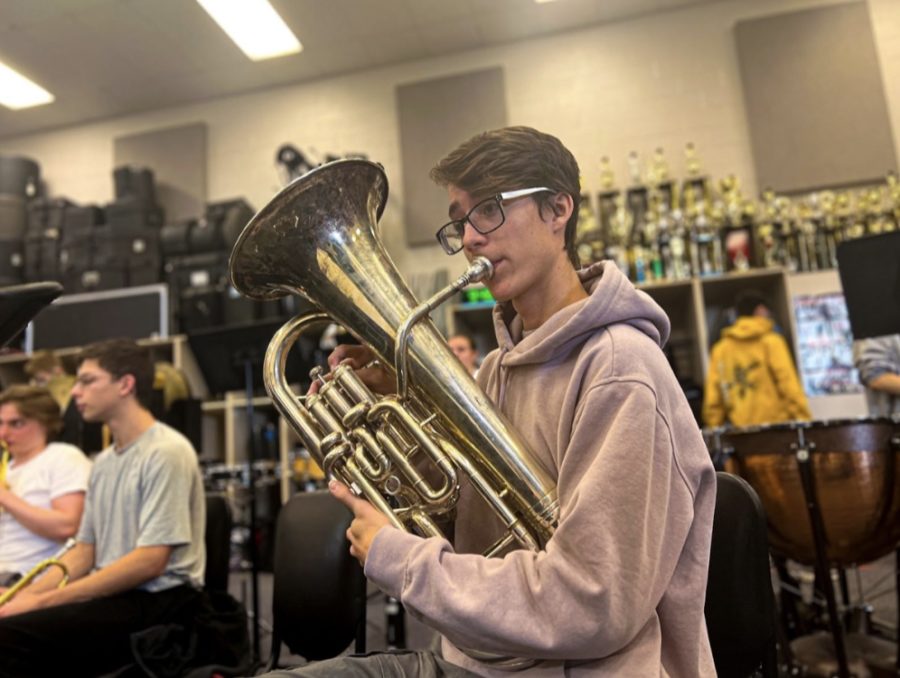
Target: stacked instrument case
{"points": [[13, 222], [127, 247], [43, 235], [87, 248], [196, 267], [126, 243], [20, 183]]}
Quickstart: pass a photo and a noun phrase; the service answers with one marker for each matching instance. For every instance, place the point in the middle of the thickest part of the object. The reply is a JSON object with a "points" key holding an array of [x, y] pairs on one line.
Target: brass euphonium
{"points": [[317, 238]]}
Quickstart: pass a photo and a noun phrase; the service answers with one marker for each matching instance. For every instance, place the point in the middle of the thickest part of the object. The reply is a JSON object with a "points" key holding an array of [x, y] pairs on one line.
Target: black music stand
{"points": [[20, 303], [870, 276], [231, 359]]}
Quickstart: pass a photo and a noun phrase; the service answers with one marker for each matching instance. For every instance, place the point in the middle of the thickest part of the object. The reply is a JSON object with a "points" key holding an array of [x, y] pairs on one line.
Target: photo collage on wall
{"points": [[825, 345]]}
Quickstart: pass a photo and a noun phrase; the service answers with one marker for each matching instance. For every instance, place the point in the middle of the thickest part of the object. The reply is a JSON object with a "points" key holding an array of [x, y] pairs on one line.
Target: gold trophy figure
{"points": [[607, 177]]}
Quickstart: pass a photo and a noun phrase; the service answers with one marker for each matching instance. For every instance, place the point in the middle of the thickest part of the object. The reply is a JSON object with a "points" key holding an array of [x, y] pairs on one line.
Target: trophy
{"points": [[705, 245], [617, 242], [679, 268], [736, 218], [588, 236], [650, 240], [658, 176], [893, 192], [636, 198], [606, 200], [694, 174], [828, 234]]}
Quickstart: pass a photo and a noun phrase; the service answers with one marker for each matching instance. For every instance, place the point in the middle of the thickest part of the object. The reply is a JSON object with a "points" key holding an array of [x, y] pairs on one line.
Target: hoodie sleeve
{"points": [[713, 402], [786, 380], [626, 512]]}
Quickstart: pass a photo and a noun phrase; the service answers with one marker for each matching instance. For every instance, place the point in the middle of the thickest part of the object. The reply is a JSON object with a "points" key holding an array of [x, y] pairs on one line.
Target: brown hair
{"points": [[512, 158], [42, 361], [120, 357], [746, 302], [468, 339], [35, 402]]}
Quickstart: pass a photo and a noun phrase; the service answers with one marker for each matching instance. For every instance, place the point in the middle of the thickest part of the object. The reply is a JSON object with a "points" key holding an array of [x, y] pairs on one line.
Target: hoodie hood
{"points": [[612, 299], [748, 327]]}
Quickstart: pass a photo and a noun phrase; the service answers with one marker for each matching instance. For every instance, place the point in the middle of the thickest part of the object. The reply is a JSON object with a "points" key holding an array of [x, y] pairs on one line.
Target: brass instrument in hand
{"points": [[317, 237], [4, 463], [37, 570], [4, 467]]}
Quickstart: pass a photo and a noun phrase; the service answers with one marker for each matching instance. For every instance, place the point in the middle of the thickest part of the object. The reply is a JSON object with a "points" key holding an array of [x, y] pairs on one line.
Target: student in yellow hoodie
{"points": [[752, 379]]}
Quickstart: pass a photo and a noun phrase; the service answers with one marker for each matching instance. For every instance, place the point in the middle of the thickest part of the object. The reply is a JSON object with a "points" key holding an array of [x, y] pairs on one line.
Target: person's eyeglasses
{"points": [[486, 216]]}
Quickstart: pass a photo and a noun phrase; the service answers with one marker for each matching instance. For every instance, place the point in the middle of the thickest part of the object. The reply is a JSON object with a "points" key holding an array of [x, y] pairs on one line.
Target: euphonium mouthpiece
{"points": [[480, 270]]}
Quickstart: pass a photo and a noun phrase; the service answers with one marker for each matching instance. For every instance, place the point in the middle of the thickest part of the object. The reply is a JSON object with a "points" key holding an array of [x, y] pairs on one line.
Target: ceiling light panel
{"points": [[17, 91], [255, 27]]}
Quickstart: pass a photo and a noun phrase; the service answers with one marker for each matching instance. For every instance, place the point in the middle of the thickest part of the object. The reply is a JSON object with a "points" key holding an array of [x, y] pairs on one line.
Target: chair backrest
{"points": [[318, 597], [218, 542], [740, 606]]}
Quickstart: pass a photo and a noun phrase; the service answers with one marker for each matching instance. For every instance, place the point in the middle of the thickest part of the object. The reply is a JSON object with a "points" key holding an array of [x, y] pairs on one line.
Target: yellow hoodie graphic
{"points": [[752, 379]]}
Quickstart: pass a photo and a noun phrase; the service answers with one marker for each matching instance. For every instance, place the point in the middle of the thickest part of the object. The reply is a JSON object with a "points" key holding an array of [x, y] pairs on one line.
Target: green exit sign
{"points": [[477, 295]]}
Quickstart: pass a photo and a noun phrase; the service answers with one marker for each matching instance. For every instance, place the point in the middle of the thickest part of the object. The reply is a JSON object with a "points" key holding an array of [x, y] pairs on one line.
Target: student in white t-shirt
{"points": [[42, 496]]}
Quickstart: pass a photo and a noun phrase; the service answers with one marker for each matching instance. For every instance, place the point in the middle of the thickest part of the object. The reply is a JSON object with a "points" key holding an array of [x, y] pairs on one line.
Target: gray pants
{"points": [[379, 665]]}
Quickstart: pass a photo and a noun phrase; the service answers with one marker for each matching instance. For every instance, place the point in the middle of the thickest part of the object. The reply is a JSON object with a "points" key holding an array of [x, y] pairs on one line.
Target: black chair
{"points": [[218, 542], [319, 589], [740, 603]]}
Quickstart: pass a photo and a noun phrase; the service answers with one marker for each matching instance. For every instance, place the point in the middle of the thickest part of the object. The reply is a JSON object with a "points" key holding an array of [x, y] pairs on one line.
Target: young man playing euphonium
{"points": [[619, 589]]}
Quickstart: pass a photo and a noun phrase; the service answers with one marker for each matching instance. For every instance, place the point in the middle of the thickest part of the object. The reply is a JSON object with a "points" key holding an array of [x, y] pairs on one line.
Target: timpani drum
{"points": [[855, 475]]}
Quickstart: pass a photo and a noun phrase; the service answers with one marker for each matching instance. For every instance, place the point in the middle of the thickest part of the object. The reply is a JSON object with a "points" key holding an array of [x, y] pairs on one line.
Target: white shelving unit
{"points": [[695, 308], [225, 430], [173, 349]]}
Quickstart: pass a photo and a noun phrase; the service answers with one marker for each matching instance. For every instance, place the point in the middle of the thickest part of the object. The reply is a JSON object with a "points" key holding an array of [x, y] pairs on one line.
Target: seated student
{"points": [[46, 369], [618, 590], [139, 558], [464, 349], [878, 362], [42, 493]]}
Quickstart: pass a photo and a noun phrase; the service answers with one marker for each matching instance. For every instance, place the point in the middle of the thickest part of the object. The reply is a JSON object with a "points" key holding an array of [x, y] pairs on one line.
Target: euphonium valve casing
{"points": [[318, 238]]}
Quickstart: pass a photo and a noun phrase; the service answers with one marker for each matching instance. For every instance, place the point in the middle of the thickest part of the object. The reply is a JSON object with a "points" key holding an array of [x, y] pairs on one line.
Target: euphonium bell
{"points": [[317, 238]]}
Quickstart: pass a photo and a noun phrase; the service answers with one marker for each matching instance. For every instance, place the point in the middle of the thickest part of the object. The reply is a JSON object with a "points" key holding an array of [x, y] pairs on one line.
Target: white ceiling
{"points": [[104, 58]]}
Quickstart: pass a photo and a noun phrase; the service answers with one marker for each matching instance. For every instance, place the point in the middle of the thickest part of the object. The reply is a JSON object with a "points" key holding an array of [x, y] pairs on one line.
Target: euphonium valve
{"points": [[317, 238]]}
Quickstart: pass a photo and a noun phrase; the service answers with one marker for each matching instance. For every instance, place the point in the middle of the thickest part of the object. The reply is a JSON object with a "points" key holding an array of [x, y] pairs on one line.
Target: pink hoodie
{"points": [[619, 589]]}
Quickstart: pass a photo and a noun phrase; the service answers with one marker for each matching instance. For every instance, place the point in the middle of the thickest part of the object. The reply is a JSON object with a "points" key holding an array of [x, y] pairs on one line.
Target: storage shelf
{"points": [[213, 406]]}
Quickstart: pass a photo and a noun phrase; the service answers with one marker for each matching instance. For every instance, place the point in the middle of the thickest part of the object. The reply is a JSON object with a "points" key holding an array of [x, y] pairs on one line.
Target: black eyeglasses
{"points": [[485, 217]]}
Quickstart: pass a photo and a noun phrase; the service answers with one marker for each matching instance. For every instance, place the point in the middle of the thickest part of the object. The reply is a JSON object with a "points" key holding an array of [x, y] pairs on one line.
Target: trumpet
{"points": [[37, 570]]}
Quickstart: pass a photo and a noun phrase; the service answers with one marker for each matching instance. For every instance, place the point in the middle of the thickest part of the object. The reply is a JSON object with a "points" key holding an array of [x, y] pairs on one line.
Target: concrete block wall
{"points": [[657, 80]]}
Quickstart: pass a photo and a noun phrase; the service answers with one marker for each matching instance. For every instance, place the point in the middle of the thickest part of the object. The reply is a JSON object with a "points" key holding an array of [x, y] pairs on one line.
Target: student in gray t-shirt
{"points": [[139, 556], [159, 465], [878, 362]]}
